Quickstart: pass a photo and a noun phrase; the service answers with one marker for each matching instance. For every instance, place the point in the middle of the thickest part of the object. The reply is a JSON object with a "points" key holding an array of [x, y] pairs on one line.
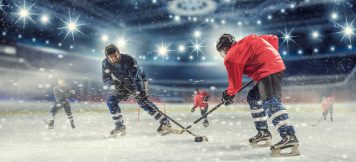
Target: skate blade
{"points": [[278, 153], [265, 143], [174, 131], [122, 133]]}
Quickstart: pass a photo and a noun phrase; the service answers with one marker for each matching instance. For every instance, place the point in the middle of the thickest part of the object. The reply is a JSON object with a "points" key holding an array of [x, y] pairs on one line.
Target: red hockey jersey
{"points": [[255, 56], [199, 100], [326, 103]]}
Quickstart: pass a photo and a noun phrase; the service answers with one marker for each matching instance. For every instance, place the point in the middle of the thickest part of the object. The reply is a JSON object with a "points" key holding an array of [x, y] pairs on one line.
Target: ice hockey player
{"points": [[327, 104], [123, 76], [201, 100], [62, 92], [258, 57]]}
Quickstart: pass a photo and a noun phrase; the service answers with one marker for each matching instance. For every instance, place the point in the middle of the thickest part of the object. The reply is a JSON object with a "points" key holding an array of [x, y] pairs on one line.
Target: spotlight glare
{"points": [[24, 13], [44, 19], [332, 48], [347, 30], [71, 26], [315, 34], [121, 42], [197, 34], [300, 52], [287, 36], [104, 38], [197, 46], [181, 48], [163, 50], [334, 16], [177, 18]]}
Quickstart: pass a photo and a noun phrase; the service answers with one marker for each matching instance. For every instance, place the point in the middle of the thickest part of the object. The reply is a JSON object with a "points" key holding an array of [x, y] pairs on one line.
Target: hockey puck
{"points": [[200, 139]]}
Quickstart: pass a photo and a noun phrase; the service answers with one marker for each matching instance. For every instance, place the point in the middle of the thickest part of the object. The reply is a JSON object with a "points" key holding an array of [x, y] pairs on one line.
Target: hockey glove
{"points": [[226, 99], [141, 95], [193, 109]]}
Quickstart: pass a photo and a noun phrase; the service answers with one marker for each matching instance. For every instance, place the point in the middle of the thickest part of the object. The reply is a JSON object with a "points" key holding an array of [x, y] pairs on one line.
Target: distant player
{"points": [[62, 92], [258, 57], [327, 105], [201, 100], [121, 73]]}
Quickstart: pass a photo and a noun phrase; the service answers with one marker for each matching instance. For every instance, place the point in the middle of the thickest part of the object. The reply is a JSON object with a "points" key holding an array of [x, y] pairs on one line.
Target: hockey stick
{"points": [[216, 107], [315, 124], [196, 139]]}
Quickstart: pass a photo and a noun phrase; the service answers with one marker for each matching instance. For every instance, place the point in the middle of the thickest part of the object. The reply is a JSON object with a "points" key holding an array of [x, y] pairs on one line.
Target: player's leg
{"points": [[68, 111], [113, 105], [165, 126], [202, 112], [52, 113], [270, 92], [331, 111], [260, 119]]}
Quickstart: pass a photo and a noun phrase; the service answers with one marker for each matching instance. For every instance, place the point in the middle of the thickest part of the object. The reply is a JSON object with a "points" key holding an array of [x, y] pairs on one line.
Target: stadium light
{"points": [[177, 18], [121, 42], [300, 52], [287, 36], [332, 48], [71, 26], [316, 50], [44, 19], [191, 57], [104, 38], [334, 16], [259, 22], [347, 30], [162, 50], [24, 13], [315, 34], [197, 46], [197, 34], [181, 48]]}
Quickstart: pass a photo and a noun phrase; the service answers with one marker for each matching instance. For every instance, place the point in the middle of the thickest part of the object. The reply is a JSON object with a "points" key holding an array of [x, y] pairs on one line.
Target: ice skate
{"points": [[166, 128], [118, 129], [72, 123], [290, 141], [206, 123], [49, 123], [263, 136]]}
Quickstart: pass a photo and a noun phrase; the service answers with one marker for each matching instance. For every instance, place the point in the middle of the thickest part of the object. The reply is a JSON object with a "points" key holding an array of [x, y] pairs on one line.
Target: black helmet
{"points": [[110, 49], [226, 40]]}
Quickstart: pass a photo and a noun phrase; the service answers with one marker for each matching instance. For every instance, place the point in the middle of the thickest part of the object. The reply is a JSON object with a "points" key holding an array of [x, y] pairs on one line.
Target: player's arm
{"points": [[206, 97], [234, 72], [134, 74], [106, 74], [195, 104]]}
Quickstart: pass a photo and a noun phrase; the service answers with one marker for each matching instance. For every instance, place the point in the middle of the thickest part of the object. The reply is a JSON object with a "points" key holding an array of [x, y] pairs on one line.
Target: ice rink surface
{"points": [[23, 136]]}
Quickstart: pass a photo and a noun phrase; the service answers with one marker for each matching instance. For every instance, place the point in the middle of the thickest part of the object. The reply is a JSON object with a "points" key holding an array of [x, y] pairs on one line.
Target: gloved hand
{"points": [[116, 84], [141, 94], [226, 99], [193, 109]]}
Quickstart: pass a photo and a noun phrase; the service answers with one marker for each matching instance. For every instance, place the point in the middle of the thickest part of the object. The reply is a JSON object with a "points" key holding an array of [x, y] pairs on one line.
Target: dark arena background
{"points": [[174, 42]]}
